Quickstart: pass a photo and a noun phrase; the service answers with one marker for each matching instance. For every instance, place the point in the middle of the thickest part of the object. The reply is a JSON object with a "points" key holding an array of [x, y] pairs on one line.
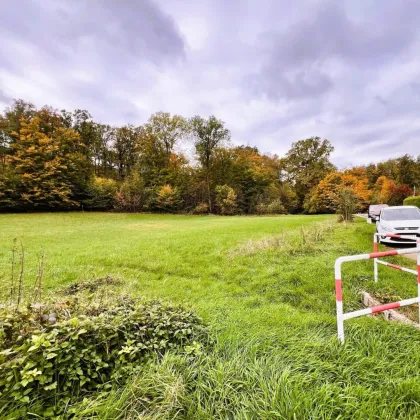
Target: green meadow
{"points": [[265, 287]]}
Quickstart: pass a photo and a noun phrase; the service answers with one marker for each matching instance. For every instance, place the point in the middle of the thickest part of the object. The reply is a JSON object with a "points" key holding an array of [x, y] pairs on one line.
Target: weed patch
{"points": [[46, 366], [306, 242], [90, 285]]}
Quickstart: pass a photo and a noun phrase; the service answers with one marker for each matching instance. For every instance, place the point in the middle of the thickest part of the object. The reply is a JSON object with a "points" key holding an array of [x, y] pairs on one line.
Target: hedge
{"points": [[412, 201]]}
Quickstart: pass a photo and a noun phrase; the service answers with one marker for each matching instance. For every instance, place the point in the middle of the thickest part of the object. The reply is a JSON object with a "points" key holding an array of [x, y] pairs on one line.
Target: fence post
{"points": [[375, 264], [418, 273], [339, 301]]}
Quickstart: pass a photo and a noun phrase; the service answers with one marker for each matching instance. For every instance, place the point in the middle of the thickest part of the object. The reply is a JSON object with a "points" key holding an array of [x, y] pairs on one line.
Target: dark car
{"points": [[374, 211]]}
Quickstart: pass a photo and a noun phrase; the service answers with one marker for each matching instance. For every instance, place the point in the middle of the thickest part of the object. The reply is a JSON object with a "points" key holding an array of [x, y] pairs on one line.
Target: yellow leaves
{"points": [[326, 193]]}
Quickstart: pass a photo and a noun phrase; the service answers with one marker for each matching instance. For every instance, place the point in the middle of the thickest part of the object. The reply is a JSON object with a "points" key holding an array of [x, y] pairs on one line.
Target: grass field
{"points": [[265, 285]]}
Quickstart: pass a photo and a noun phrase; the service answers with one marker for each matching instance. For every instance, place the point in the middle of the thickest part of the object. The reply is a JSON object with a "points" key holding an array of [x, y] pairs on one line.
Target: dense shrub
{"points": [[167, 199], [131, 195], [201, 208], [51, 358], [101, 193], [274, 207], [226, 199], [412, 201]]}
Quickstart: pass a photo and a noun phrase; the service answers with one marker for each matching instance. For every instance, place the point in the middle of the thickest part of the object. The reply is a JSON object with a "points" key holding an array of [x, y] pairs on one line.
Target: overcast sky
{"points": [[275, 71]]}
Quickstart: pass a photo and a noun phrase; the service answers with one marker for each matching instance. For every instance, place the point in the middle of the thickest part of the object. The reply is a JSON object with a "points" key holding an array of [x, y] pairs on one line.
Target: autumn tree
{"points": [[49, 169], [125, 149], [326, 196], [100, 194], [306, 164], [226, 199], [387, 191], [252, 174], [347, 203], [167, 199], [168, 130], [209, 134], [131, 195], [14, 116]]}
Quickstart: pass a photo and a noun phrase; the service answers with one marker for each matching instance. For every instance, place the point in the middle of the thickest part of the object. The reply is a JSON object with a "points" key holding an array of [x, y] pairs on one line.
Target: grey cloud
{"points": [[136, 28], [275, 71], [272, 83], [301, 61], [93, 52]]}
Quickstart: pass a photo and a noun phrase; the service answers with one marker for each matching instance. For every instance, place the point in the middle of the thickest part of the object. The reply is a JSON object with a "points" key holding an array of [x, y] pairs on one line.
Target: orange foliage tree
{"points": [[388, 192], [50, 168], [326, 196]]}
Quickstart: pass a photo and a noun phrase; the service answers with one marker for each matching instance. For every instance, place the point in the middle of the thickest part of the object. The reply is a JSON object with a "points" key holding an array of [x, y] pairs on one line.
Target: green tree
{"points": [[347, 204], [19, 112], [167, 199], [209, 135], [125, 149], [132, 195], [168, 130], [306, 164], [100, 194]]}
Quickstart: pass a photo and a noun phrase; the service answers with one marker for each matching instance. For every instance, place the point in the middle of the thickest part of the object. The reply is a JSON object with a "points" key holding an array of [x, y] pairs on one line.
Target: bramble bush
{"points": [[54, 354]]}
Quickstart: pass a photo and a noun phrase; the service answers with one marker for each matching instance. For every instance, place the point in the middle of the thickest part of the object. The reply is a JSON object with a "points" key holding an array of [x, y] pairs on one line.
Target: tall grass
{"points": [[307, 376]]}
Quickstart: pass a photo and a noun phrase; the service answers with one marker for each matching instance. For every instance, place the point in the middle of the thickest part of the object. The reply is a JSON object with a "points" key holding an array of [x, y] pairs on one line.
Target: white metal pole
{"points": [[418, 274], [339, 302], [375, 263]]}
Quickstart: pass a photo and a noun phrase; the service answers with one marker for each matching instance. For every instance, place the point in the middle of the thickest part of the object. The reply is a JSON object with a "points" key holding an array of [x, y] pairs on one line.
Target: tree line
{"points": [[60, 160]]}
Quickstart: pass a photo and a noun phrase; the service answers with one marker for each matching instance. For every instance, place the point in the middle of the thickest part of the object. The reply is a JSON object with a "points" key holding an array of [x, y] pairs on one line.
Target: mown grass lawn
{"points": [[266, 287]]}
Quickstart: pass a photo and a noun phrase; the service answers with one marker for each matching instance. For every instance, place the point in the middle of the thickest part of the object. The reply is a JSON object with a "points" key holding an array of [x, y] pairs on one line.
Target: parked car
{"points": [[403, 221], [374, 210]]}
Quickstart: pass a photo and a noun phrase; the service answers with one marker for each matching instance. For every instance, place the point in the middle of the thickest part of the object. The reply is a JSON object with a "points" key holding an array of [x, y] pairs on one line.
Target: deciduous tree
{"points": [[209, 135], [306, 164]]}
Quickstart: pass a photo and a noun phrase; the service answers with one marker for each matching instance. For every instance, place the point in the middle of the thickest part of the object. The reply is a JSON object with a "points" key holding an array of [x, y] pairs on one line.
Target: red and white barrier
{"points": [[341, 316], [376, 261]]}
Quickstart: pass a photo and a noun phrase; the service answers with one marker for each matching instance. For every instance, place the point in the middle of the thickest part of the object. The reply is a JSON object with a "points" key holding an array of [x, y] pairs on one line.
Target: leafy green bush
{"points": [[101, 193], [412, 201], [276, 207], [131, 196], [167, 199], [53, 358]]}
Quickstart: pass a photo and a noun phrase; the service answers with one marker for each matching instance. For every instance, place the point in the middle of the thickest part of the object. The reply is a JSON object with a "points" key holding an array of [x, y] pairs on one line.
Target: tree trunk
{"points": [[208, 190]]}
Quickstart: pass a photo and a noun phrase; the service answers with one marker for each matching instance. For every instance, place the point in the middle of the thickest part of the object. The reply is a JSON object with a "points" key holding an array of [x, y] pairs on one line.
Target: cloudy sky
{"points": [[275, 71]]}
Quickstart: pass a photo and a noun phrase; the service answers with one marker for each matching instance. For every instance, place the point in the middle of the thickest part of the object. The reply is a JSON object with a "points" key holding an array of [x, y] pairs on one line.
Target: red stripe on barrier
{"points": [[375, 247], [338, 291], [391, 235], [385, 307], [383, 254], [394, 266]]}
